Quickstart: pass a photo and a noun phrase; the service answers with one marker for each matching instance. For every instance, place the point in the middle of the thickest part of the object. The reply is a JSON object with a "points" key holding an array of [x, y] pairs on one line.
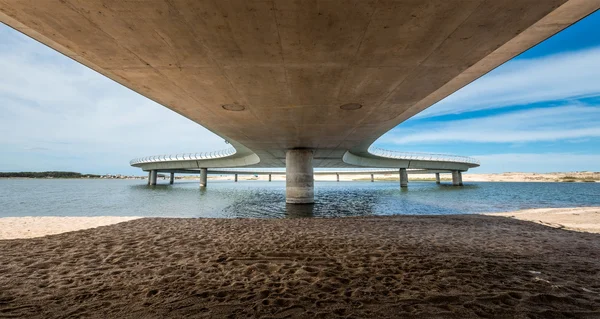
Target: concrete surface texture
{"points": [[403, 177], [203, 177], [268, 76], [299, 177]]}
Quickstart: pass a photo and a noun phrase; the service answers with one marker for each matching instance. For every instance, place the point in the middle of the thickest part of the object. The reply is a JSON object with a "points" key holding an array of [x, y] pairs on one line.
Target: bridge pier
{"points": [[372, 178], [149, 177], [299, 177], [403, 178], [337, 176], [172, 178], [437, 178], [269, 177], [153, 174], [457, 178], [235, 178], [203, 177]]}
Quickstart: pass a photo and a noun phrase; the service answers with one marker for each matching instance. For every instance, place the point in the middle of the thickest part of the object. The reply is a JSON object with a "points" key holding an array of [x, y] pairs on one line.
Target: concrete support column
{"points": [[457, 178], [437, 178], [172, 179], [269, 177], [372, 178], [337, 176], [149, 177], [153, 174], [235, 178], [299, 177], [403, 178], [203, 177]]}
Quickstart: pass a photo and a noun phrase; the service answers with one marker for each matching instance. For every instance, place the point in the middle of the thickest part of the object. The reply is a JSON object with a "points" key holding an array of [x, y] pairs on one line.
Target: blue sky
{"points": [[540, 112]]}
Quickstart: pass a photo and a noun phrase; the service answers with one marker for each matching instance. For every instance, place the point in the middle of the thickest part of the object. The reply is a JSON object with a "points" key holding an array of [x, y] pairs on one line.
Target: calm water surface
{"points": [[226, 199]]}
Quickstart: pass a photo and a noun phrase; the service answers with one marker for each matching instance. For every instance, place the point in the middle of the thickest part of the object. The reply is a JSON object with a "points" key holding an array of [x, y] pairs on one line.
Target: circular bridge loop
{"points": [[376, 151], [422, 156], [185, 156]]}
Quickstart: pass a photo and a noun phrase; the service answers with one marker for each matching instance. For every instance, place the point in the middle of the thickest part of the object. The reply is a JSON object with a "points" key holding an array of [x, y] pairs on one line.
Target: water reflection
{"points": [[299, 211]]}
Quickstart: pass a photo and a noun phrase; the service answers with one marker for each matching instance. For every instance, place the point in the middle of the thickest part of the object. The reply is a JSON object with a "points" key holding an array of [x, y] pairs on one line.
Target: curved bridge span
{"points": [[378, 161]]}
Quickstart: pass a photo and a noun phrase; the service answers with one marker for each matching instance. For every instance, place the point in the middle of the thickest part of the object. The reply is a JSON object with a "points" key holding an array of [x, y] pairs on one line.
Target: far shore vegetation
{"points": [[50, 174], [572, 179]]}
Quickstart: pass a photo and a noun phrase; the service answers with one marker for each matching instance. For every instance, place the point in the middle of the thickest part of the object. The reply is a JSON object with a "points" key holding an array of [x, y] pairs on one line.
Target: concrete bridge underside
{"points": [[329, 76]]}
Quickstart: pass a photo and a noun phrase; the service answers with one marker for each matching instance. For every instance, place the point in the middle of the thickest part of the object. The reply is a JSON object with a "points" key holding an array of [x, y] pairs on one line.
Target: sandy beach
{"points": [[460, 266], [561, 177], [29, 227], [586, 219]]}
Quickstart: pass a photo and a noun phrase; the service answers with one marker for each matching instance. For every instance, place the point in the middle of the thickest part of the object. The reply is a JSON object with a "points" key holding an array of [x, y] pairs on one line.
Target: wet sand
{"points": [[462, 266]]}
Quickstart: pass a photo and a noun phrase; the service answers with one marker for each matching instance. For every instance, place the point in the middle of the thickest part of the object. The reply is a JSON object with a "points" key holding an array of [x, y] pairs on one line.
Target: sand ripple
{"points": [[404, 266]]}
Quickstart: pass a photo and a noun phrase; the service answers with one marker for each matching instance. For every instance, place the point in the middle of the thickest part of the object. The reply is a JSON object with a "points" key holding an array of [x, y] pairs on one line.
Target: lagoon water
{"points": [[261, 199]]}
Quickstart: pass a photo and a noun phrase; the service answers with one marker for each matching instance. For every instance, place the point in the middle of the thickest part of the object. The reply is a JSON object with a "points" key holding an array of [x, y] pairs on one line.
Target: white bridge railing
{"points": [[422, 156], [373, 150], [184, 157]]}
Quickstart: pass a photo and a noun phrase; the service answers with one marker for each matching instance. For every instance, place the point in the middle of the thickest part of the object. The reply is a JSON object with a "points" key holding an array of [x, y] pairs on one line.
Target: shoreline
{"points": [[554, 177], [582, 219]]}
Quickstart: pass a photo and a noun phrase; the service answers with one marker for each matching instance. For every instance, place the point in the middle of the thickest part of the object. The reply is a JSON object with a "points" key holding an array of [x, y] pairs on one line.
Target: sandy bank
{"points": [[579, 219], [533, 177], [462, 266], [467, 177], [28, 227]]}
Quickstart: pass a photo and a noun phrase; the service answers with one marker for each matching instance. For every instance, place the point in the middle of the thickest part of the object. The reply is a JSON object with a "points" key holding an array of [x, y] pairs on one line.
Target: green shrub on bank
{"points": [[51, 174]]}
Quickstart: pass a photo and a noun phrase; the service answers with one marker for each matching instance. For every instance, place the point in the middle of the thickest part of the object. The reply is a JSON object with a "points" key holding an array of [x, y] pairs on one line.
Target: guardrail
{"points": [[422, 156], [373, 150], [184, 157]]}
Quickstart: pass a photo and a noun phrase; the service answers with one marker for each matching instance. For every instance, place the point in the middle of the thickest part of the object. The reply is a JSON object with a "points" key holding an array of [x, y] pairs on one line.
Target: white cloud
{"points": [[533, 125], [62, 112], [563, 76], [534, 162]]}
